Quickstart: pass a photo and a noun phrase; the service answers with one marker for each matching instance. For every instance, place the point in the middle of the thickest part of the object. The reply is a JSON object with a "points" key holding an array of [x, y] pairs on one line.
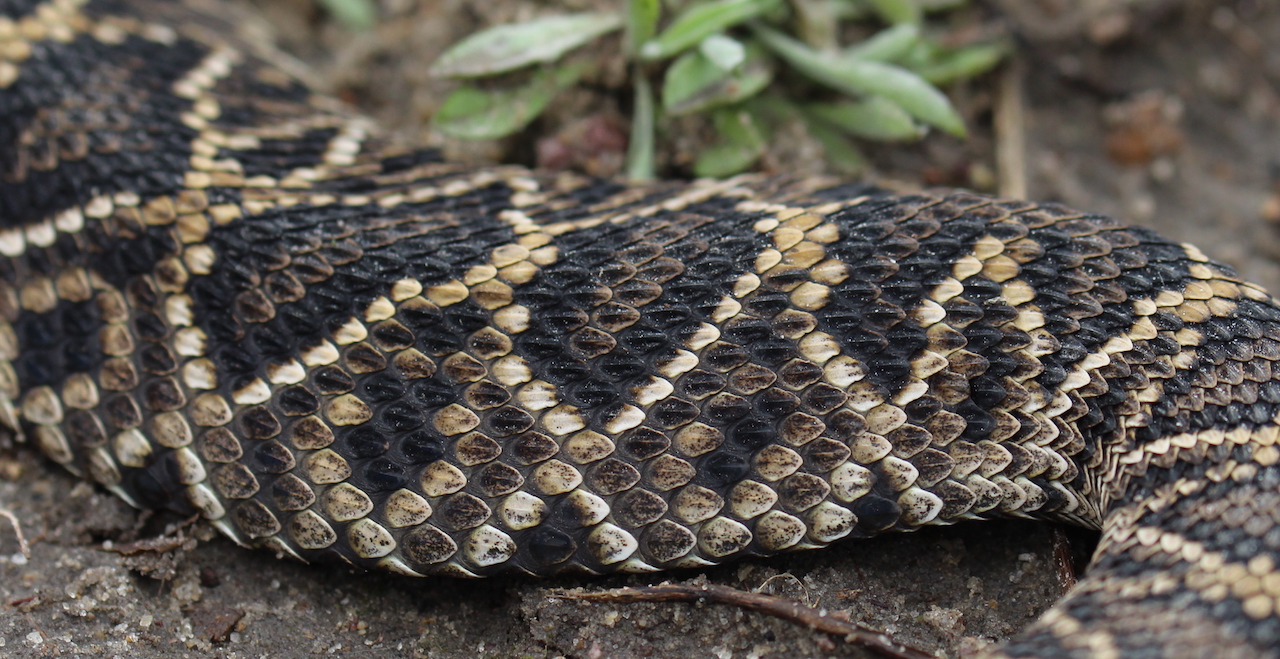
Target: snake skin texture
{"points": [[222, 293]]}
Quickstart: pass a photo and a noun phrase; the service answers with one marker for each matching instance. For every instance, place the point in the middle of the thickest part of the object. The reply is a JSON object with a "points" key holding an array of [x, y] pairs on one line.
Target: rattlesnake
{"points": [[222, 293]]}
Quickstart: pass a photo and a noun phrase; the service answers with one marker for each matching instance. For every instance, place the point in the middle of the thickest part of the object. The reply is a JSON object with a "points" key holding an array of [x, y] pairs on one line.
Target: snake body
{"points": [[221, 293]]}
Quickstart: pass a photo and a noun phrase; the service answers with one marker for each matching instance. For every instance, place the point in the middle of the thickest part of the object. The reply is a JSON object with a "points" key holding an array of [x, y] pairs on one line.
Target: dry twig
{"points": [[17, 531], [1011, 132], [816, 619]]}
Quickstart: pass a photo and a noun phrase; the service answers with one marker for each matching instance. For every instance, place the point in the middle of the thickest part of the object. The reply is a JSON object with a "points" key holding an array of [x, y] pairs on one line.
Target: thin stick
{"points": [[17, 531], [816, 619], [1011, 132]]}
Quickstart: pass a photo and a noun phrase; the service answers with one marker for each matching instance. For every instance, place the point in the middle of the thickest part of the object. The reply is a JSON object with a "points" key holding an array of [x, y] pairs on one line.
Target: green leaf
{"points": [[862, 78], [640, 147], [897, 11], [701, 21], [771, 108], [924, 53], [876, 118], [929, 6], [353, 14], [840, 151], [723, 51], [849, 9], [741, 144], [507, 47], [695, 82], [642, 22], [964, 63], [483, 114], [888, 45]]}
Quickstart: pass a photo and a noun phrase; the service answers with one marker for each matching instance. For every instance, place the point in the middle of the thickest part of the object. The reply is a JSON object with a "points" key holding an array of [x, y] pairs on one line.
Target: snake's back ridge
{"points": [[222, 293]]}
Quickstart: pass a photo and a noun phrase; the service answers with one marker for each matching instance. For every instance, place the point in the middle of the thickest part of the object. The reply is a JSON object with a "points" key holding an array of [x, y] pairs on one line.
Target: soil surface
{"points": [[1163, 112]]}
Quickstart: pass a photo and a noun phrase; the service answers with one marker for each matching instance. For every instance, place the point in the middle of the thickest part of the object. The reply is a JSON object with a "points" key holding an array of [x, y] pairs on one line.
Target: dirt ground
{"points": [[1163, 112]]}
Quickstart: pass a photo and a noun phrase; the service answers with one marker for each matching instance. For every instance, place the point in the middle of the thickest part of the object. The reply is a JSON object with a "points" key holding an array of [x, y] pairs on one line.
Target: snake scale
{"points": [[222, 293]]}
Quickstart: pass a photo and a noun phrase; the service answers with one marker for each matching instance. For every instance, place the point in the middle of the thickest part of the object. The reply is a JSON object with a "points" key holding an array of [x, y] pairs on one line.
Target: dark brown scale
{"points": [[85, 429], [122, 412], [508, 421], [724, 408], [798, 429], [534, 447], [164, 394], [258, 423], [909, 440], [273, 458], [235, 481], [219, 445], [798, 374], [639, 507], [497, 479], [332, 380], [613, 476], [298, 401], [611, 317], [290, 493], [464, 511], [365, 442], [486, 395], [256, 519], [700, 384], [646, 443], [157, 359]]}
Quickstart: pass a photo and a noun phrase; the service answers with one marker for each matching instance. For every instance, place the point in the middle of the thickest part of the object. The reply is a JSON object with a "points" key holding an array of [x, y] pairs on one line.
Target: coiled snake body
{"points": [[221, 293]]}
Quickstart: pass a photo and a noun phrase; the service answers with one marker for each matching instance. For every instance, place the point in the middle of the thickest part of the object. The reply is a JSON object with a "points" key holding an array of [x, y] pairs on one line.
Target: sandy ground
{"points": [[1167, 113]]}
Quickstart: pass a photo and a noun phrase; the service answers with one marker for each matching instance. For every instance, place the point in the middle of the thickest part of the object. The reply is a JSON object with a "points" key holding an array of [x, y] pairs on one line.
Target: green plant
{"points": [[352, 14], [725, 59]]}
